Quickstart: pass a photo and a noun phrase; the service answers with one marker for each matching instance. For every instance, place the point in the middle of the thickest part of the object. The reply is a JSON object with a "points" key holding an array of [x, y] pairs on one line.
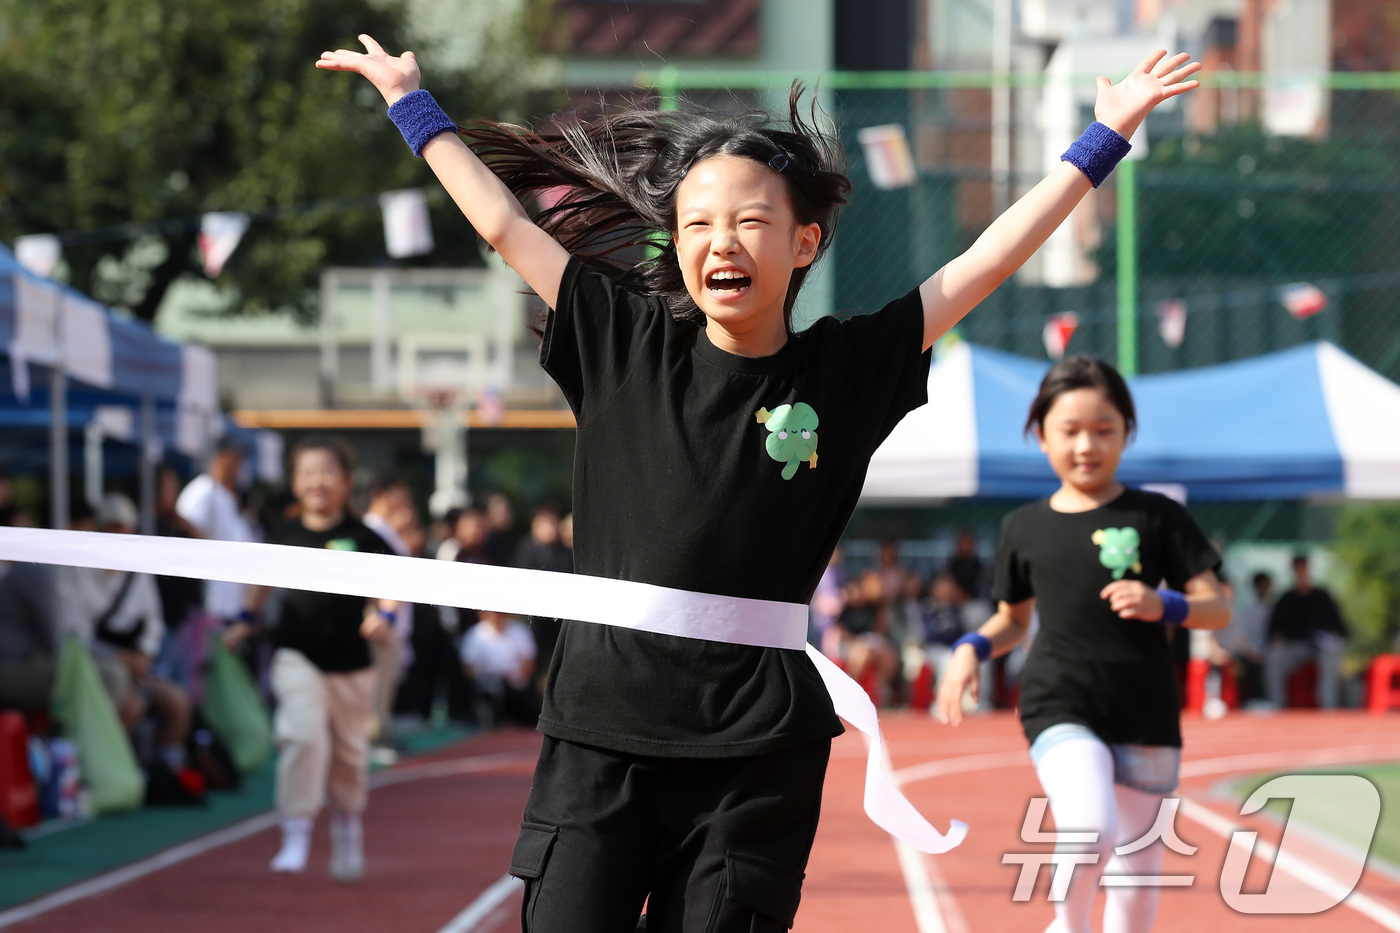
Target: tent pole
{"points": [[58, 448], [148, 464]]}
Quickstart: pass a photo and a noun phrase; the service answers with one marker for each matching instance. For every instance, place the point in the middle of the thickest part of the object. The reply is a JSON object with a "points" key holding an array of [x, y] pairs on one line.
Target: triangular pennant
{"points": [[1302, 299], [1059, 329], [1171, 322], [888, 157], [39, 253], [407, 229], [219, 235]]}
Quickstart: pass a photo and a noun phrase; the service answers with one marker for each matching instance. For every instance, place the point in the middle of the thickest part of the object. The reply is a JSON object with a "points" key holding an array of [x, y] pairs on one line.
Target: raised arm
{"points": [[1004, 247], [487, 203]]}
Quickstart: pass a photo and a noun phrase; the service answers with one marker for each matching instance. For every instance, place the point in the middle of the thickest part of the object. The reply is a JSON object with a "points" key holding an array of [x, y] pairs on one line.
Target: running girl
{"points": [[1111, 571], [718, 451], [322, 674]]}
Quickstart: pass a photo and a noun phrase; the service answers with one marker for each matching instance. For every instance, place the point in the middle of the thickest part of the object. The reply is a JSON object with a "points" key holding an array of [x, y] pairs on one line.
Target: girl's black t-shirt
{"points": [[705, 471], [1087, 665], [325, 627]]}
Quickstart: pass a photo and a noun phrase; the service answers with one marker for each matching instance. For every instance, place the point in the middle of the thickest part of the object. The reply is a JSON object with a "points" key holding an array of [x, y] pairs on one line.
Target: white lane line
{"points": [[1290, 759], [924, 895], [962, 763], [196, 847], [481, 908], [129, 873], [1298, 868]]}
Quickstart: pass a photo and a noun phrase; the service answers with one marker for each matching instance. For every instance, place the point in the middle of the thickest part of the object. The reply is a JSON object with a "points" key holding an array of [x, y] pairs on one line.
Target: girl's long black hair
{"points": [[620, 172]]}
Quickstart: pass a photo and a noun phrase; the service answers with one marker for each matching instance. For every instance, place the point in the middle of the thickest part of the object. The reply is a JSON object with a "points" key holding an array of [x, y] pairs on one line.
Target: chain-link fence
{"points": [[1260, 217]]}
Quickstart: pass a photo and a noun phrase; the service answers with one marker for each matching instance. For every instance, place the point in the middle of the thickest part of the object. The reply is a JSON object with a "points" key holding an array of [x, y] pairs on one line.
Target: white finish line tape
{"points": [[638, 606]]}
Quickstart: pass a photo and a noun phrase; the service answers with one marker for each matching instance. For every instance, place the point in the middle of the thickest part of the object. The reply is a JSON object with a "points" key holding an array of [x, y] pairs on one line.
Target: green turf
{"points": [[73, 854], [1340, 819]]}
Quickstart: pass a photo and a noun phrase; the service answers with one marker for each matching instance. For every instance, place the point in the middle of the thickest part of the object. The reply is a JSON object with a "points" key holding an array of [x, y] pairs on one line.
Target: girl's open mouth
{"points": [[726, 282]]}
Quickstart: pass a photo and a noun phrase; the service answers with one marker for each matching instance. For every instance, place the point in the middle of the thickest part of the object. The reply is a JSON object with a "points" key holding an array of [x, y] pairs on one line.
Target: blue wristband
{"points": [[1175, 608], [980, 643], [387, 616], [419, 119], [247, 615], [1097, 152]]}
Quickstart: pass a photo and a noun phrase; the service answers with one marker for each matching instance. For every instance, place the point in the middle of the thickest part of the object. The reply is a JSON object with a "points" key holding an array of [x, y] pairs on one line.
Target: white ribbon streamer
{"points": [[638, 606]]}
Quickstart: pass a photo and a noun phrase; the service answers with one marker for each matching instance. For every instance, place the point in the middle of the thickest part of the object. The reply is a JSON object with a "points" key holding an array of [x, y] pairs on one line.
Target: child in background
{"points": [[684, 774], [322, 673], [499, 652], [1111, 572]]}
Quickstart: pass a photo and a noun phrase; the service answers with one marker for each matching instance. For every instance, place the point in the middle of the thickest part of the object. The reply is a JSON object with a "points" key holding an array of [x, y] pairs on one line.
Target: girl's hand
{"points": [[1133, 599], [960, 677], [1123, 106], [391, 76]]}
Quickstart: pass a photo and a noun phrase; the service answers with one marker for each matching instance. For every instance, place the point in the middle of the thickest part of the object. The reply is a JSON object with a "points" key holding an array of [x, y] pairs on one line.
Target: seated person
{"points": [[118, 616], [499, 654], [864, 633], [28, 645], [947, 614]]}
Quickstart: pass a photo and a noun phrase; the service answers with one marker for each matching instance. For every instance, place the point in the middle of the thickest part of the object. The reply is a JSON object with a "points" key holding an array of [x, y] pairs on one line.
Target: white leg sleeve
{"points": [[1077, 775], [1132, 909]]}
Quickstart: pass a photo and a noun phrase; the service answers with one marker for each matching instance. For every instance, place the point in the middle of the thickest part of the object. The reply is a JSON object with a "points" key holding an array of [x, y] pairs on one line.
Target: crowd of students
{"points": [[347, 678]]}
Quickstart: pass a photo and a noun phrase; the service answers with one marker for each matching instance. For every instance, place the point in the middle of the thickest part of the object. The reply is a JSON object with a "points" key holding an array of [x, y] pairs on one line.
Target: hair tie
{"points": [[780, 162]]}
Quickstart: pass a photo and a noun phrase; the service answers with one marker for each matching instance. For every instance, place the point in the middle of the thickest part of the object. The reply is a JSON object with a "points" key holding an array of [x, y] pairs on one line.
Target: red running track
{"points": [[439, 833]]}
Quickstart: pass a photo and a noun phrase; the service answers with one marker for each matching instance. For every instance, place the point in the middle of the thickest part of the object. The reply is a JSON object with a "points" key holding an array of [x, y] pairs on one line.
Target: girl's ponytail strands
{"points": [[419, 119]]}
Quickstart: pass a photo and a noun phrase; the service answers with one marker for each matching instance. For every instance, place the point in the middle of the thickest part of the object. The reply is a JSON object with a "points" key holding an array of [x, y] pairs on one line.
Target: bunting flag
{"points": [[1059, 329], [407, 229], [39, 253], [1302, 299], [1171, 322], [219, 235], [888, 157]]}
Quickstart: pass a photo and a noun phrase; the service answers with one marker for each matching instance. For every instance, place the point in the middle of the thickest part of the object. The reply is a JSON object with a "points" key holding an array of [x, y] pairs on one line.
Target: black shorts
{"points": [[710, 845]]}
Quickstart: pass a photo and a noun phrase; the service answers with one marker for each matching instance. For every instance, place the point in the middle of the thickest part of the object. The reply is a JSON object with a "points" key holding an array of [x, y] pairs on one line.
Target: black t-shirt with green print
{"points": [[326, 626], [1087, 665], [701, 470]]}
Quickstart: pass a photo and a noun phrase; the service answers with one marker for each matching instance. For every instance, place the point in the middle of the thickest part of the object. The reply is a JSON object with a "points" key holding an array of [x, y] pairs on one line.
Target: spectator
{"points": [[119, 616], [892, 576], [865, 626], [444, 542], [828, 603], [435, 669], [499, 654], [500, 530], [948, 613], [966, 567], [28, 637], [544, 551], [390, 508], [1305, 625], [187, 624], [566, 532], [322, 673], [210, 505], [471, 534], [1246, 638]]}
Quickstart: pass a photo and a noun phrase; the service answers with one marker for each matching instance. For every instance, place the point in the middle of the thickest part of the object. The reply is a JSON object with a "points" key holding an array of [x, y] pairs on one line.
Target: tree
{"points": [[1368, 550], [153, 111]]}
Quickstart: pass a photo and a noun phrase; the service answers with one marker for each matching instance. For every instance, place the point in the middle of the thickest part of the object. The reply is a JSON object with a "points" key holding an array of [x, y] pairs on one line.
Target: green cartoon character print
{"points": [[1118, 550], [792, 435]]}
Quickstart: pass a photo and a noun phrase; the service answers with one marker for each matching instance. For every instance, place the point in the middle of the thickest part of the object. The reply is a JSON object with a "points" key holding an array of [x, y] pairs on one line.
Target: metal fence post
{"points": [[1127, 268]]}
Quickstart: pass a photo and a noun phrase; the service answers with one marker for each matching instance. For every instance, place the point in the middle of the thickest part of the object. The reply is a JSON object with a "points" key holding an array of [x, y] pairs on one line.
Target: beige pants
{"points": [[322, 729], [388, 666]]}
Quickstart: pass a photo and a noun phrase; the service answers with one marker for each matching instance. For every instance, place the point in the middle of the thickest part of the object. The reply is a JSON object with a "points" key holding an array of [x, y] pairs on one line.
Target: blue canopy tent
{"points": [[70, 363], [1305, 422]]}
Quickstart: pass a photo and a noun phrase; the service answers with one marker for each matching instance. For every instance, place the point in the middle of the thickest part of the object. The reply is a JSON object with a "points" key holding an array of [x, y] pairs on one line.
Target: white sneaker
{"points": [[347, 847], [296, 846]]}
